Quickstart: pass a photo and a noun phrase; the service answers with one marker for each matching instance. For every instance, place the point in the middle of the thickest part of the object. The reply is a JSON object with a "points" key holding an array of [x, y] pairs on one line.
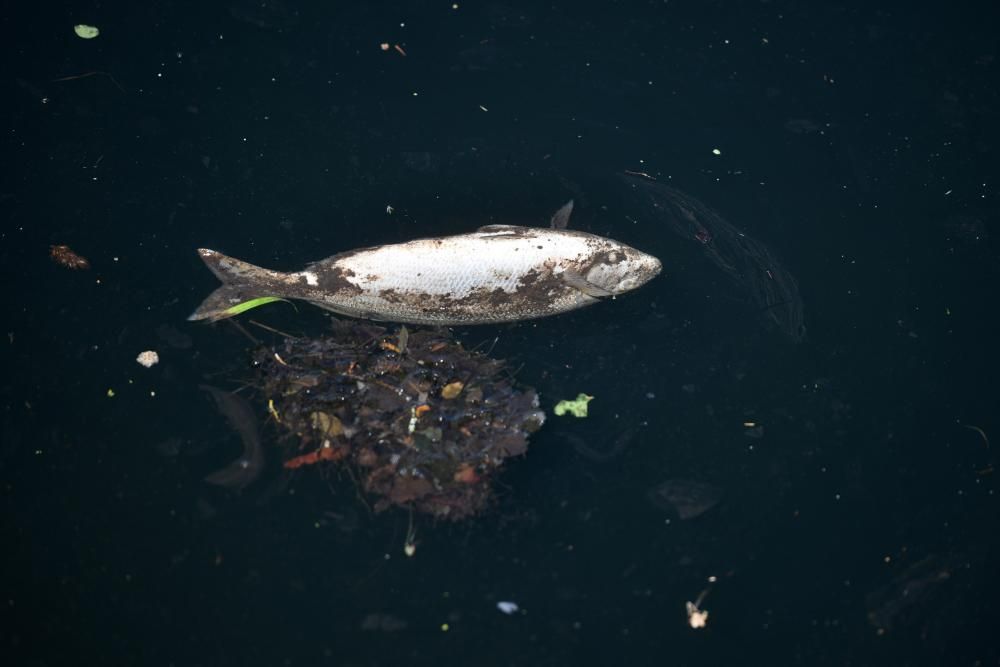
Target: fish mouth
{"points": [[648, 268]]}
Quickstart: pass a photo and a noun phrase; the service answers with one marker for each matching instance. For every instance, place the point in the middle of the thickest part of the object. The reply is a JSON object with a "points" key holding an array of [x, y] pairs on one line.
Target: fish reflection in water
{"points": [[244, 470], [750, 263], [688, 499], [600, 453]]}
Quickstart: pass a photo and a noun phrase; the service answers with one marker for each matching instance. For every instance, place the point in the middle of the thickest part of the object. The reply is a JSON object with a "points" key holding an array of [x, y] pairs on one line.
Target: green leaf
{"points": [[86, 31], [251, 304], [576, 407]]}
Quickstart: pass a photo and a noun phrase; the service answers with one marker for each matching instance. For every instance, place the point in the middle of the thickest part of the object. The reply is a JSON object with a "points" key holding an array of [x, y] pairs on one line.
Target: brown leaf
{"points": [[451, 390], [326, 424], [64, 256]]}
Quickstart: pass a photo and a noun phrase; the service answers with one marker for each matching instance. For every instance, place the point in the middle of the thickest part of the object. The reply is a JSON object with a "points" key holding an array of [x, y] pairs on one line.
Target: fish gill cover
{"points": [[421, 422]]}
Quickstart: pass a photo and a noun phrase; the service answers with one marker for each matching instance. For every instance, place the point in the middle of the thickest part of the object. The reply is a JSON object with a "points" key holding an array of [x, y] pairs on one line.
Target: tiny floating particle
{"points": [[507, 607], [697, 618], [86, 31], [149, 358]]}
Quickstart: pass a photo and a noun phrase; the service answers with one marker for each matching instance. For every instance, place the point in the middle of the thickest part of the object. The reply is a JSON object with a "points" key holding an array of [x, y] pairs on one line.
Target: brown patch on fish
{"points": [[392, 296], [334, 279], [532, 277], [484, 298], [608, 257], [534, 294]]}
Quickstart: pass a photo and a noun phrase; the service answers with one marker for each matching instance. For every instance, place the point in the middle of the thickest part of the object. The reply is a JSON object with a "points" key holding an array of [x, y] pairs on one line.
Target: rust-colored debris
{"points": [[64, 256]]}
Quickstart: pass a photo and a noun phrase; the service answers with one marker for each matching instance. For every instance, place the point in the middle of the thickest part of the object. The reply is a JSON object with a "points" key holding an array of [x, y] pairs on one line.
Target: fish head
{"points": [[619, 268]]}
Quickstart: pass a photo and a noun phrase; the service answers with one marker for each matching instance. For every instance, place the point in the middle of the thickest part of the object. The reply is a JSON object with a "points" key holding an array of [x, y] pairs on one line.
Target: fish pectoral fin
{"points": [[560, 219], [576, 280]]}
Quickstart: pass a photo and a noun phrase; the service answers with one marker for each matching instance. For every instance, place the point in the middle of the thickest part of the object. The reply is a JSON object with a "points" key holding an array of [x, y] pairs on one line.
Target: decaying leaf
{"points": [[326, 424], [64, 256], [452, 390]]}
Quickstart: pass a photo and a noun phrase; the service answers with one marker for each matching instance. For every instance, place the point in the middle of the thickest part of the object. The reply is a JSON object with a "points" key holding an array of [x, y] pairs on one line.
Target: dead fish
{"points": [[499, 273]]}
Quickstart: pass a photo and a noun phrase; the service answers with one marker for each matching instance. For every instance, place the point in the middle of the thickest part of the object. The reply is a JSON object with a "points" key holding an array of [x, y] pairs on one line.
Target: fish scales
{"points": [[479, 279], [447, 266]]}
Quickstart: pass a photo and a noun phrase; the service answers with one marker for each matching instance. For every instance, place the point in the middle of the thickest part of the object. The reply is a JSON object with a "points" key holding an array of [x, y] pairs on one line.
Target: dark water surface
{"points": [[833, 488]]}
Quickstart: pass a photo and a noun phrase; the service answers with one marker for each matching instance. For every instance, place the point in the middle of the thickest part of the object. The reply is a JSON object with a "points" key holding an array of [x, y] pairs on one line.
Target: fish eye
{"points": [[612, 257]]}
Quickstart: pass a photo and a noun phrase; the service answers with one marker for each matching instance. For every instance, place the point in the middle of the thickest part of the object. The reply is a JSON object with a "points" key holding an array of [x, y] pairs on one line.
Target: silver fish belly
{"points": [[500, 273]]}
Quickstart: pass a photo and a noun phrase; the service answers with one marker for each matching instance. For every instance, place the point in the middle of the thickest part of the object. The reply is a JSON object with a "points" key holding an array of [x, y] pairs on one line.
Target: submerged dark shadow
{"points": [[247, 468], [686, 498], [749, 263]]}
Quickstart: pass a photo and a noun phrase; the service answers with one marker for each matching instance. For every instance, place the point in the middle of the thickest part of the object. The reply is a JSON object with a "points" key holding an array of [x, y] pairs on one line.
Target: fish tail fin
{"points": [[244, 286]]}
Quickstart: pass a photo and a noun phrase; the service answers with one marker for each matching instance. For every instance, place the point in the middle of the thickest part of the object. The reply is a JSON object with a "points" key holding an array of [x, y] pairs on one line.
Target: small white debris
{"points": [[716, 151], [507, 607], [148, 358], [697, 618]]}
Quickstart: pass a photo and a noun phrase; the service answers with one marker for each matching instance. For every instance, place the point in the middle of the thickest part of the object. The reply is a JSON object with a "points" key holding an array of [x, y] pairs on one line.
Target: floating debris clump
{"points": [[421, 421]]}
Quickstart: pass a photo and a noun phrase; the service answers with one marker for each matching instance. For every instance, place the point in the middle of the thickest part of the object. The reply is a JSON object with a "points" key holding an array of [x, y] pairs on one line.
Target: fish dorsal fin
{"points": [[576, 280], [501, 229], [560, 219]]}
